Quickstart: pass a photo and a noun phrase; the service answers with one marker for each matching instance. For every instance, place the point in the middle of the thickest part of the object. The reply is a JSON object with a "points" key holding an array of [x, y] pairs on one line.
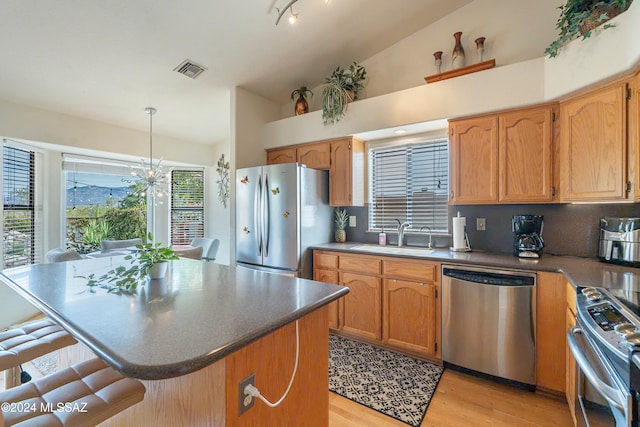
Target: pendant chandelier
{"points": [[151, 180]]}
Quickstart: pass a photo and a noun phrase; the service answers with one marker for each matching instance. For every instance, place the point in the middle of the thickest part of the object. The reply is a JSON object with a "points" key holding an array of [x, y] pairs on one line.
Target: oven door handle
{"points": [[612, 395]]}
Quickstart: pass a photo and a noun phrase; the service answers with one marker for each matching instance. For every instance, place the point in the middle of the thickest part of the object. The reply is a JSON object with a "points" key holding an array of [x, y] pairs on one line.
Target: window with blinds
{"points": [[21, 238], [187, 206], [409, 183]]}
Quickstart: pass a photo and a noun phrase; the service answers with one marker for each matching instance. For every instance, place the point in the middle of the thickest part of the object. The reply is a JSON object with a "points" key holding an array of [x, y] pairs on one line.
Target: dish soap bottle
{"points": [[382, 238]]}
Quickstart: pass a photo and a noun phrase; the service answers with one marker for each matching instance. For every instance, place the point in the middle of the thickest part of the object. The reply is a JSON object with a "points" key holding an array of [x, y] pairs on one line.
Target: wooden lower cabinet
{"points": [[551, 303], [329, 276], [361, 307], [392, 302], [571, 390], [409, 310]]}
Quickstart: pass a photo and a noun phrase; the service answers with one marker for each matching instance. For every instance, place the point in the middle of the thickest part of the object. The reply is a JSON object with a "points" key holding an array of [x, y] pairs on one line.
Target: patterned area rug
{"points": [[46, 364], [390, 383]]}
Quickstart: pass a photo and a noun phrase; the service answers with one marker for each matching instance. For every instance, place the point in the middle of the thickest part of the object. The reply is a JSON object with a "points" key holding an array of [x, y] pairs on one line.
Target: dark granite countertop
{"points": [[199, 313], [579, 271]]}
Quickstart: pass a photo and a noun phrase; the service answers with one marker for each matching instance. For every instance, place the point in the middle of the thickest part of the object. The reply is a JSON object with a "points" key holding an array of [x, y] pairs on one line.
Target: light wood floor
{"points": [[463, 400]]}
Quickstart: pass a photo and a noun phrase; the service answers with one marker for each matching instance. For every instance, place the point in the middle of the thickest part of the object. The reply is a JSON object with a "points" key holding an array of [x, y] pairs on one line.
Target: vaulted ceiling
{"points": [[108, 60]]}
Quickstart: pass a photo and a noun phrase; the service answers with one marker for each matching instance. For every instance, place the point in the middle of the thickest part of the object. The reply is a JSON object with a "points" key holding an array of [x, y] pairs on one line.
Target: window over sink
{"points": [[409, 182]]}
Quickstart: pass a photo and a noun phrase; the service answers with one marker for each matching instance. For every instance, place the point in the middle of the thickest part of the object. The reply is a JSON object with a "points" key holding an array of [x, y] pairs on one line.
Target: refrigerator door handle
{"points": [[257, 215], [266, 216]]}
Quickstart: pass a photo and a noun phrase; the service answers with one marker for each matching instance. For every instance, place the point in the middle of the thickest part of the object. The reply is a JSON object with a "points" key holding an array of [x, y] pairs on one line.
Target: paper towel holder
{"points": [[460, 222], [465, 249]]}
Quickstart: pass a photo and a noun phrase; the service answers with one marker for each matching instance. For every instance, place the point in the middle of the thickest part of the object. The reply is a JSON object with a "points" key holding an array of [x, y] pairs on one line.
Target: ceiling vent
{"points": [[190, 69]]}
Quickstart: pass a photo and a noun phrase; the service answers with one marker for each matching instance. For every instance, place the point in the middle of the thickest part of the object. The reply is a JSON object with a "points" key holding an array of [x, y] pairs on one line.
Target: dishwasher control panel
{"points": [[490, 278]]}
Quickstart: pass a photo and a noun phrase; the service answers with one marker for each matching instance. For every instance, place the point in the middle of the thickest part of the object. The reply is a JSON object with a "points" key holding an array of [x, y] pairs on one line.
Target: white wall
{"points": [[249, 112], [605, 54], [498, 88], [515, 31], [34, 124]]}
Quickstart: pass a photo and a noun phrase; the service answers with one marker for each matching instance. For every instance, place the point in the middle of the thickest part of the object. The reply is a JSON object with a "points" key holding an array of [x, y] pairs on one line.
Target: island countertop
{"points": [[199, 313]]}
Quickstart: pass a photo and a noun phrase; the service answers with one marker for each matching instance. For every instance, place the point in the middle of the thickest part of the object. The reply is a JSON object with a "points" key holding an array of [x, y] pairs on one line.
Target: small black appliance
{"points": [[527, 235]]}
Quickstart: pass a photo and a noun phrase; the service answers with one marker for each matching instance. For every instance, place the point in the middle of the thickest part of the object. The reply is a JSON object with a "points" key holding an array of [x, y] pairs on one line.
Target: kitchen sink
{"points": [[394, 250]]}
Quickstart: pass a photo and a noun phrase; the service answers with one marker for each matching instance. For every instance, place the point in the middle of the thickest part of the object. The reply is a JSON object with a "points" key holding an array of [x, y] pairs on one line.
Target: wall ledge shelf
{"points": [[485, 65]]}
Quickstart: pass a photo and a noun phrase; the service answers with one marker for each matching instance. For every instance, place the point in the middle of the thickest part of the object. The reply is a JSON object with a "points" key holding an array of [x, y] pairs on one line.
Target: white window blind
{"points": [[409, 183], [21, 218], [187, 206]]}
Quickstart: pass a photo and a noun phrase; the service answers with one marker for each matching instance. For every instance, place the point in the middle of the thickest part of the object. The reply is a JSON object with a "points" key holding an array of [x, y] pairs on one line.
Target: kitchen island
{"points": [[194, 335]]}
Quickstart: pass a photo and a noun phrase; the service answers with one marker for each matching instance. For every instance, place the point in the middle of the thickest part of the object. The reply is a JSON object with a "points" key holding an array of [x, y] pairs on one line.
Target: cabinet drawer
{"points": [[360, 264], [323, 260], [420, 271]]}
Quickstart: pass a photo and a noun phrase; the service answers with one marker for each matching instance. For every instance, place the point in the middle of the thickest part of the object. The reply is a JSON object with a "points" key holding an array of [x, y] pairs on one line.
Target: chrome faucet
{"points": [[401, 227], [430, 245]]}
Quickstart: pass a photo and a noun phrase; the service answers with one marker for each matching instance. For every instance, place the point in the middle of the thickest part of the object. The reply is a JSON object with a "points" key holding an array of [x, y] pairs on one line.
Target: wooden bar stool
{"points": [[83, 395]]}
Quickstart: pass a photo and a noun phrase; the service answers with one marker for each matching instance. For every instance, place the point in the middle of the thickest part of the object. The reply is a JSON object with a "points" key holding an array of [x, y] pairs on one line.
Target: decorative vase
{"points": [[457, 57], [302, 106], [351, 95], [480, 48], [341, 235], [438, 56], [158, 270]]}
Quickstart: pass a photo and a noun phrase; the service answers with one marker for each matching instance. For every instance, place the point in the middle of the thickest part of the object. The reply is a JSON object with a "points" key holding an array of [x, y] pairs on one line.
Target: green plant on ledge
{"points": [[340, 88], [581, 17], [125, 280]]}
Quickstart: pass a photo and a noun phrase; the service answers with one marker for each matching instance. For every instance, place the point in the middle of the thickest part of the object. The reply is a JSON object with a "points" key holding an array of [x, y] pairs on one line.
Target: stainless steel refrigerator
{"points": [[281, 210]]}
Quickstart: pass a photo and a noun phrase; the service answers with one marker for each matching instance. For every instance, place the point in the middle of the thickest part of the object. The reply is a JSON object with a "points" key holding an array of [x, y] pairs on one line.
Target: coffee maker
{"points": [[527, 235]]}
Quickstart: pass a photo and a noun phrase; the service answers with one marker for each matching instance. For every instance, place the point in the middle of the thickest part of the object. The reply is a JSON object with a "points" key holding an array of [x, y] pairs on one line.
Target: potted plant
{"points": [[581, 17], [149, 261], [341, 88], [302, 106], [341, 223]]}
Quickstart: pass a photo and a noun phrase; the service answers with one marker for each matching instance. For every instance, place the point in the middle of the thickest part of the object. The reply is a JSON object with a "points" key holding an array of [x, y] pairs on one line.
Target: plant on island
{"points": [[123, 279]]}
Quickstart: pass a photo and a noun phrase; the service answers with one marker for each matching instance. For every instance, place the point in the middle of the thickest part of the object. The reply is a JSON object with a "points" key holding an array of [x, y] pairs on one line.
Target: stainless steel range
{"points": [[608, 327]]}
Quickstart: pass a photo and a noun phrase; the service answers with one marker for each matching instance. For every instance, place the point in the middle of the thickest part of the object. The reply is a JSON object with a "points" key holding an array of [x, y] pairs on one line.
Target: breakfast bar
{"points": [[194, 336]]}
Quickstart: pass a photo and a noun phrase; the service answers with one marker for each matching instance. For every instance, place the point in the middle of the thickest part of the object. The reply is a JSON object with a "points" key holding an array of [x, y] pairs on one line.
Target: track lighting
{"points": [[293, 17]]}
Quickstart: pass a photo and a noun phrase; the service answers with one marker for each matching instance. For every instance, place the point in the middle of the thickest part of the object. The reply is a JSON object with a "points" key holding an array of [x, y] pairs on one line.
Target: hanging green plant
{"points": [[341, 88], [581, 17]]}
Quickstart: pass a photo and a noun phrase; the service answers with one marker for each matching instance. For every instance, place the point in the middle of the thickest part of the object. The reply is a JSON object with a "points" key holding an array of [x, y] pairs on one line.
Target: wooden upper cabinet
{"points": [[474, 160], [593, 145], [346, 176], [281, 155], [315, 156], [526, 155]]}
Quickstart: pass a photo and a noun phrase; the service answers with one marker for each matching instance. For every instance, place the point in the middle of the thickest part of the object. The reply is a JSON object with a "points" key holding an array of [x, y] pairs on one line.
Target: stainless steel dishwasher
{"points": [[488, 321]]}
